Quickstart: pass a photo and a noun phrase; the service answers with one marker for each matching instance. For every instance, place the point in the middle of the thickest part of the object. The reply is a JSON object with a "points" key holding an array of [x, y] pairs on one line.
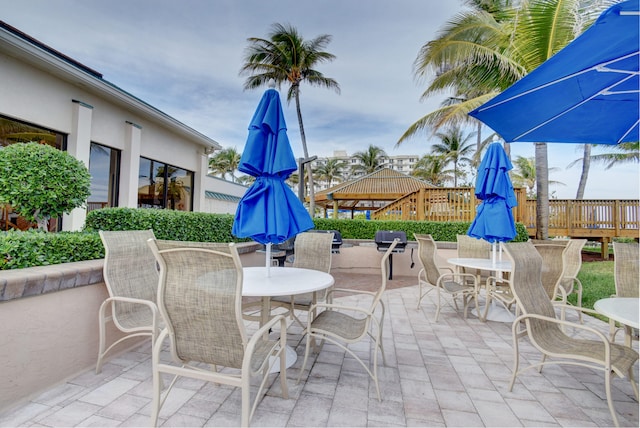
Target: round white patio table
{"points": [[281, 281], [498, 266], [622, 309]]}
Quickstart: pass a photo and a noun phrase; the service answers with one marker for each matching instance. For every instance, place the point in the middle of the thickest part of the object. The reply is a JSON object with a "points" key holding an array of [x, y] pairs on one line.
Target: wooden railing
{"points": [[594, 219], [440, 204]]}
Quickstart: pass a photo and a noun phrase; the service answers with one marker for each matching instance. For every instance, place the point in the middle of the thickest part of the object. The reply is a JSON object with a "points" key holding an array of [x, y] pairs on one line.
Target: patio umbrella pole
{"points": [[268, 262], [493, 253]]}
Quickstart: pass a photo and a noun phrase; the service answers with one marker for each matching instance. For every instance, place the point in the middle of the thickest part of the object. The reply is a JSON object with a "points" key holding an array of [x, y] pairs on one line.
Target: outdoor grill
{"points": [[384, 239], [337, 239]]}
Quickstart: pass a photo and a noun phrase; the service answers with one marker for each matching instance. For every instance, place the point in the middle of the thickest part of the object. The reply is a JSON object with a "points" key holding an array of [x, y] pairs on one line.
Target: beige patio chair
{"points": [[545, 330], [626, 266], [311, 251], [571, 264], [343, 325], [432, 277], [474, 248], [200, 297], [551, 252], [131, 276]]}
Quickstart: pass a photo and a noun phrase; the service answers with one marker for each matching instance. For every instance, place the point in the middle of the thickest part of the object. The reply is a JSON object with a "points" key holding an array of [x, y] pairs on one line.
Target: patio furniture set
{"points": [[190, 294], [536, 277], [199, 307]]}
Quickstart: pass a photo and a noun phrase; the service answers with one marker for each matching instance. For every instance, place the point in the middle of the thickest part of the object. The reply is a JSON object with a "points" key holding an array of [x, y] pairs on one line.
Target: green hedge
{"points": [[166, 224], [440, 231], [34, 248]]}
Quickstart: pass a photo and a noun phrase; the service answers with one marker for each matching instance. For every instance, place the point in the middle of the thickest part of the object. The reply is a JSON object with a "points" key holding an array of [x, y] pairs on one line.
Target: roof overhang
{"points": [[30, 51]]}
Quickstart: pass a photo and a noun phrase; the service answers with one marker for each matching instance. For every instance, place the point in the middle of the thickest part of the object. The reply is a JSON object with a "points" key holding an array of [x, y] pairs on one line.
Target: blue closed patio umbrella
{"points": [[269, 212], [585, 93], [494, 219]]}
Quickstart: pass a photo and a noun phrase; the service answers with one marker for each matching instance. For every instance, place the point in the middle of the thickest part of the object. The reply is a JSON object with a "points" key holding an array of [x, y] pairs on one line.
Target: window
{"points": [[13, 131], [164, 186], [104, 167]]}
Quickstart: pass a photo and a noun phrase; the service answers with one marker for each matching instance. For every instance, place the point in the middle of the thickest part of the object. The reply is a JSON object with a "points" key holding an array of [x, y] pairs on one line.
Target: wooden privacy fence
{"points": [[594, 219]]}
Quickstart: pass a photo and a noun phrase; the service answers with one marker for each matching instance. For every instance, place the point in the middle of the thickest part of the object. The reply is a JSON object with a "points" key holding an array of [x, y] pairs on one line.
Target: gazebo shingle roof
{"points": [[371, 191]]}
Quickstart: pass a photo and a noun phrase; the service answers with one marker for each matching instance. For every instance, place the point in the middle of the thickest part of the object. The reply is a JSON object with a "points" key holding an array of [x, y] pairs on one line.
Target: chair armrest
{"points": [[259, 335], [333, 306], [562, 305], [270, 324], [456, 276], [350, 291], [601, 336], [151, 305], [446, 268], [131, 300]]}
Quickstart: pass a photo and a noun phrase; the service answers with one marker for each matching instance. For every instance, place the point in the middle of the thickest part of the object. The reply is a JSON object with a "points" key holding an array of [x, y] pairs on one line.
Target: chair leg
{"points": [[375, 363], [607, 385], [516, 357], [438, 307], [634, 384], [103, 338], [579, 302], [306, 355]]}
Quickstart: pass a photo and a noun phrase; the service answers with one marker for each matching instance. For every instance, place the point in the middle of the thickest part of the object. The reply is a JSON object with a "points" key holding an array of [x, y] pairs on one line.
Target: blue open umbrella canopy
{"points": [[494, 219], [585, 93], [269, 212]]}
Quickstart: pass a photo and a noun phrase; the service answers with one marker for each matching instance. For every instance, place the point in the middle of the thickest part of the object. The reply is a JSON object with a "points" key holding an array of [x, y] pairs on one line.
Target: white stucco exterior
{"points": [[46, 89]]}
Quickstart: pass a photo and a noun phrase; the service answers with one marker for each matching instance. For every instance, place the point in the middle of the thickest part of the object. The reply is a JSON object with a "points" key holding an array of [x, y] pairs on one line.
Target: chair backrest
{"points": [[200, 298], [627, 269], [313, 251], [552, 267], [384, 272], [526, 285], [572, 259], [164, 244], [472, 247], [427, 252], [130, 269]]}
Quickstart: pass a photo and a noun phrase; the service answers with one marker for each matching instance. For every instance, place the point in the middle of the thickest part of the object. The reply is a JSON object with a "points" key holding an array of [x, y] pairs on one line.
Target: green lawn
{"points": [[597, 282]]}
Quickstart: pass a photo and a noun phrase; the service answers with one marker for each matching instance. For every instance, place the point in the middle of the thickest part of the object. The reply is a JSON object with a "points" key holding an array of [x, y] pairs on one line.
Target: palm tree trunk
{"points": [[586, 163], [542, 201], [303, 138]]}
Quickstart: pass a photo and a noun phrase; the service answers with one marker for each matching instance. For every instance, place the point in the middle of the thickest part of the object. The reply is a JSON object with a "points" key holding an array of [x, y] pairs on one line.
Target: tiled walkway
{"points": [[451, 373]]}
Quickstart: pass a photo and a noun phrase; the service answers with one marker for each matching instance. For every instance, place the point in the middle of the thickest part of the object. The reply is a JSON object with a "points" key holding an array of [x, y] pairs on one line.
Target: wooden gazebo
{"points": [[369, 192]]}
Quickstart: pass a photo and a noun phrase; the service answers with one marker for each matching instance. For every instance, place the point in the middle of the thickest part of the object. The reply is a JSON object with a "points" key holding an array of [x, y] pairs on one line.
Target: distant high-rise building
{"points": [[402, 163]]}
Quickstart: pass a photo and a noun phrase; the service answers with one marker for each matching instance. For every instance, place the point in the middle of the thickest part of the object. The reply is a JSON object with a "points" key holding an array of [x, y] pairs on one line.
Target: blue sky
{"points": [[183, 57]]}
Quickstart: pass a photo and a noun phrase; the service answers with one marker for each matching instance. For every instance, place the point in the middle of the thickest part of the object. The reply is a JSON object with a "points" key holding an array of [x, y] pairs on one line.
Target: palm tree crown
{"points": [[286, 57], [370, 159], [225, 162]]}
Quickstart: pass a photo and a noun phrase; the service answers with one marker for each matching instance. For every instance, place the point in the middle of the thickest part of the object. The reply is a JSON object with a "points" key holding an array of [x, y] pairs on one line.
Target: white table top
{"points": [[621, 309], [283, 281], [486, 264]]}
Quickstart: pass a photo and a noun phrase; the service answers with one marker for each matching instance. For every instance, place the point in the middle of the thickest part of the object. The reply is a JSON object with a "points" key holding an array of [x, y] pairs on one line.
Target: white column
{"points": [[199, 181], [130, 166], [79, 146]]}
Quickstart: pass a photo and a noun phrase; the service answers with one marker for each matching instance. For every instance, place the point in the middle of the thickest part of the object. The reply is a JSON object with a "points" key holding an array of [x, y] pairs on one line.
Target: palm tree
{"points": [[524, 175], [286, 57], [332, 169], [485, 50], [246, 180], [454, 147], [370, 159], [621, 154], [225, 162], [431, 168]]}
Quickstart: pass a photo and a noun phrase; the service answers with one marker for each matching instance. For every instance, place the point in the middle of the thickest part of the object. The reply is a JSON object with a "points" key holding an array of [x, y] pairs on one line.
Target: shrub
{"points": [[41, 182]]}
